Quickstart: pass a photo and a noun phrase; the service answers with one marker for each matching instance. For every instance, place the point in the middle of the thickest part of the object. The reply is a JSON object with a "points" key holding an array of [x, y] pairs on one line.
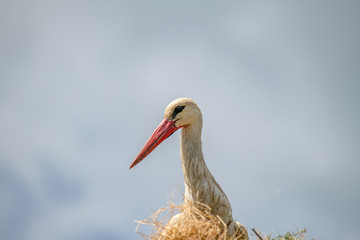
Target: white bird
{"points": [[200, 185]]}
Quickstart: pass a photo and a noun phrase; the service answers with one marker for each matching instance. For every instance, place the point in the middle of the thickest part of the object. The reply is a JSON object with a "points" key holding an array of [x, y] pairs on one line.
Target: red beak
{"points": [[164, 130]]}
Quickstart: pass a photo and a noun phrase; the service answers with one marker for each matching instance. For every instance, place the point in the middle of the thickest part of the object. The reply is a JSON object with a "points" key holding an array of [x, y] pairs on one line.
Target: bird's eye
{"points": [[177, 110]]}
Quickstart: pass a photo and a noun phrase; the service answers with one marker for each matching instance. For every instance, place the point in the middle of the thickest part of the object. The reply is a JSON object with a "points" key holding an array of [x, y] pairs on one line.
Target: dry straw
{"points": [[197, 223]]}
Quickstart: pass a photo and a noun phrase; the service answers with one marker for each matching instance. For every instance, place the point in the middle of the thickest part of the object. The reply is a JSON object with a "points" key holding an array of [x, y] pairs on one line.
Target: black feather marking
{"points": [[177, 110]]}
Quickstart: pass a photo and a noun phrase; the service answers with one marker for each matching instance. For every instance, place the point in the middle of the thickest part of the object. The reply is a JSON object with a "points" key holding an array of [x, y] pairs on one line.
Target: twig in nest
{"points": [[257, 234]]}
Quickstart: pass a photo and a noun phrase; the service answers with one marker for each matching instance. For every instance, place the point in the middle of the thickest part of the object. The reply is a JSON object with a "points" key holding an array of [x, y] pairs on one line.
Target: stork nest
{"points": [[197, 222]]}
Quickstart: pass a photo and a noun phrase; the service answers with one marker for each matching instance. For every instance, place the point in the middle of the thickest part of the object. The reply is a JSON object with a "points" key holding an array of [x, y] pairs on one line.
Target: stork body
{"points": [[200, 185]]}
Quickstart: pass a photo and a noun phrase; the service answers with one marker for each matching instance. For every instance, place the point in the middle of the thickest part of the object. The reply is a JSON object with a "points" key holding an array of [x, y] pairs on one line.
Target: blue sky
{"points": [[84, 83]]}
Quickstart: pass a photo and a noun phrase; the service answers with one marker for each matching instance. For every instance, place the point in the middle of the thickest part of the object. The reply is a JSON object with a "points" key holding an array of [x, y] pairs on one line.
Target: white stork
{"points": [[200, 185]]}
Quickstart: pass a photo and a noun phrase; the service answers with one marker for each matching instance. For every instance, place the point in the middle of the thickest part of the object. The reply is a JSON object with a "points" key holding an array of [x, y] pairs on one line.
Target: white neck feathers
{"points": [[200, 185]]}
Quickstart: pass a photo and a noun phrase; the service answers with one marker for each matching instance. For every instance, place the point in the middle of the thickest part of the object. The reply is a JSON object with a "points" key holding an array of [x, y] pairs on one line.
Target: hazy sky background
{"points": [[83, 84]]}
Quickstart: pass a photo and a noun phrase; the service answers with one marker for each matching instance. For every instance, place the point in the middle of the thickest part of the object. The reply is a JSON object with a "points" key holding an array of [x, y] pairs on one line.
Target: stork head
{"points": [[180, 113], [183, 112]]}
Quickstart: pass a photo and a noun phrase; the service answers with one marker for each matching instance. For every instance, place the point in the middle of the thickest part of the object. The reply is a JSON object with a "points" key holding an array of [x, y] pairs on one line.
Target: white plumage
{"points": [[200, 185]]}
